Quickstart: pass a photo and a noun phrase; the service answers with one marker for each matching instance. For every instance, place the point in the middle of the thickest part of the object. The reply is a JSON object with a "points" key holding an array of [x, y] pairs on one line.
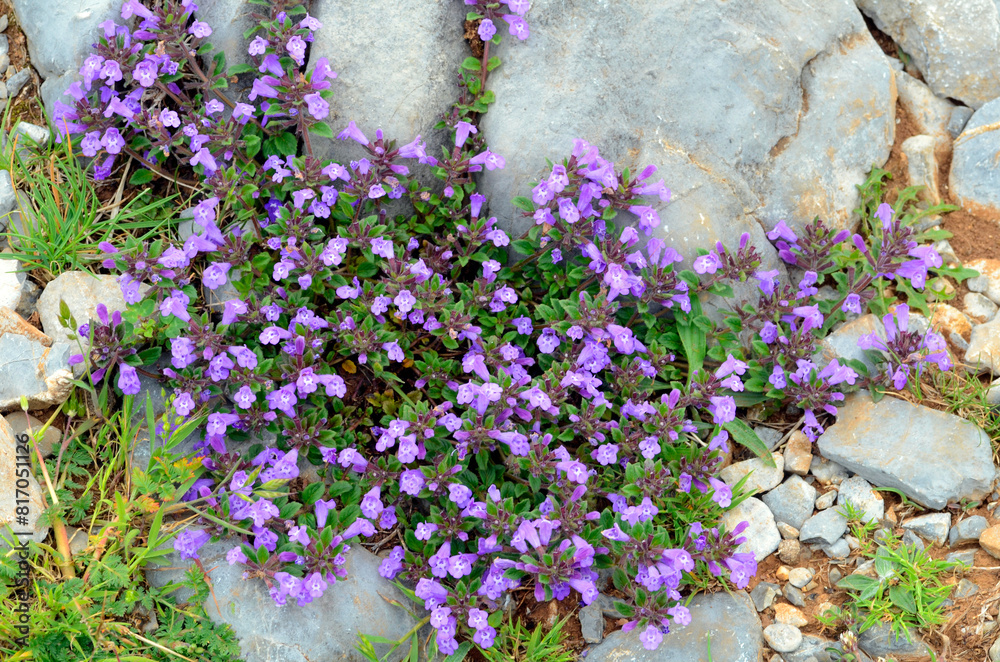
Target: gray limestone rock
{"points": [[8, 197], [965, 589], [879, 641], [16, 82], [931, 456], [12, 480], [922, 166], [592, 623], [11, 282], [932, 527], [979, 306], [967, 530], [960, 116], [763, 595], [782, 638], [859, 493], [757, 151], [812, 649], [31, 365], [760, 476], [974, 177], [984, 347], [60, 32], [327, 629], [825, 527], [930, 113], [968, 557], [953, 43], [730, 620], [792, 501], [827, 472], [82, 292], [761, 534], [838, 550], [397, 73]]}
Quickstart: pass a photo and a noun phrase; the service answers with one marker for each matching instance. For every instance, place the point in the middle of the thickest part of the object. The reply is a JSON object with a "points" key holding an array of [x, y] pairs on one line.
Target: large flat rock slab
{"points": [[326, 629], [954, 43], [730, 621], [933, 457], [397, 64], [754, 112]]}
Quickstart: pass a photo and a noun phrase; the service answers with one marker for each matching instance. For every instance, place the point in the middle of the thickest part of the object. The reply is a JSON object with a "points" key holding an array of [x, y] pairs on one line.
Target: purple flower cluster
{"points": [[521, 423]]}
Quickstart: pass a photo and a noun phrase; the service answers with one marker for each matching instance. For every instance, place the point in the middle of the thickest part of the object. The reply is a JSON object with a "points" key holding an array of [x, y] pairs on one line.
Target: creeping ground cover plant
{"points": [[363, 374]]}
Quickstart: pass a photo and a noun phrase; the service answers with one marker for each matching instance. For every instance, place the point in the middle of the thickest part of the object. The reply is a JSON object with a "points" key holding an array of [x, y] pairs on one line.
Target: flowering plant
{"points": [[528, 423]]}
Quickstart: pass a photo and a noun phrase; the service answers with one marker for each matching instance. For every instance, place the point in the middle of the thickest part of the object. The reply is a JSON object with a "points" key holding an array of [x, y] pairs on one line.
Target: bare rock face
{"points": [[31, 365], [753, 112], [20, 495], [327, 629], [730, 620], [954, 43], [933, 457]]}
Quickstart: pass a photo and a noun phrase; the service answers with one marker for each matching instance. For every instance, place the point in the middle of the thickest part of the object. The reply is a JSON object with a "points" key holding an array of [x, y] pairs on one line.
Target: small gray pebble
{"points": [[799, 577], [4, 22], [968, 530], [592, 623], [763, 595], [794, 596], [782, 638], [835, 576], [4, 63], [4, 44], [910, 538], [965, 589], [968, 557], [838, 550], [825, 500], [17, 82], [978, 284]]}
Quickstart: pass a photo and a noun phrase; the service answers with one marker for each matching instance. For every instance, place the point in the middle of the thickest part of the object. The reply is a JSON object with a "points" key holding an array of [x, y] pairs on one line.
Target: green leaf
{"points": [[747, 438], [283, 144], [252, 145], [367, 269], [694, 341], [140, 177], [524, 203], [857, 582], [493, 63], [459, 655], [471, 63], [238, 69], [322, 129]]}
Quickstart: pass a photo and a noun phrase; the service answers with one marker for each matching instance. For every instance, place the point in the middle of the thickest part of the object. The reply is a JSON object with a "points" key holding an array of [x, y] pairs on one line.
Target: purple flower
{"points": [[354, 133], [128, 379], [517, 26], [189, 541], [317, 105], [707, 264], [852, 304], [236, 555], [214, 276], [486, 30], [651, 637], [113, 141], [548, 341], [782, 231], [200, 29]]}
